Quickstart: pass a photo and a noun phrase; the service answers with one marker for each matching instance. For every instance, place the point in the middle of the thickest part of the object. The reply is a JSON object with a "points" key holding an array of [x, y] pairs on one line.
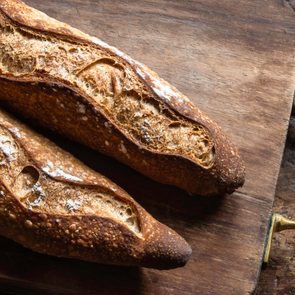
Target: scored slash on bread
{"points": [[53, 204], [93, 93]]}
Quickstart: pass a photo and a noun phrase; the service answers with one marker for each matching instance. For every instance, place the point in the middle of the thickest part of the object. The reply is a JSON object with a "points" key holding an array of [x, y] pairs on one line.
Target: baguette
{"points": [[53, 204], [93, 93]]}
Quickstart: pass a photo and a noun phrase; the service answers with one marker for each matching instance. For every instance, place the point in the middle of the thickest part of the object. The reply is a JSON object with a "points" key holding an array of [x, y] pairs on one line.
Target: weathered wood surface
{"points": [[236, 62]]}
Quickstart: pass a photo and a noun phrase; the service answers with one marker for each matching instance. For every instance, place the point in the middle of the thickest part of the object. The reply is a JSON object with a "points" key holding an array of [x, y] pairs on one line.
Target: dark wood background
{"points": [[235, 60], [279, 276]]}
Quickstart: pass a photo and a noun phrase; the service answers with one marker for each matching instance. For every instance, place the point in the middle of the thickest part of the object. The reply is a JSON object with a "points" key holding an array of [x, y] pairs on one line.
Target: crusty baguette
{"points": [[53, 204], [93, 93]]}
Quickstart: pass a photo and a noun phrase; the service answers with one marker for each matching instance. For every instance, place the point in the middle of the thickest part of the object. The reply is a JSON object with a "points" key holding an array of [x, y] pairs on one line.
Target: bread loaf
{"points": [[91, 92], [53, 204]]}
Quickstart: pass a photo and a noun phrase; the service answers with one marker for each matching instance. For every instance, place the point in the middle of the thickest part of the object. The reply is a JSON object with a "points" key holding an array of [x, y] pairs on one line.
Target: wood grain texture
{"points": [[236, 62]]}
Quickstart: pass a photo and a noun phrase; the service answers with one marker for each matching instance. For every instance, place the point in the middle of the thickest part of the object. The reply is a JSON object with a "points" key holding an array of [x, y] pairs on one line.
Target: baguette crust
{"points": [[53, 204], [170, 133]]}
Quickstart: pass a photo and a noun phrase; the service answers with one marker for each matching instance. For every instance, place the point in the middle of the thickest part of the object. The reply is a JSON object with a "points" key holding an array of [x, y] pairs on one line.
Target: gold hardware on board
{"points": [[278, 223]]}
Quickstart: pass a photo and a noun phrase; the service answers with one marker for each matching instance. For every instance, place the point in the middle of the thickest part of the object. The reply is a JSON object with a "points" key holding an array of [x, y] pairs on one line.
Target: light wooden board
{"points": [[235, 60]]}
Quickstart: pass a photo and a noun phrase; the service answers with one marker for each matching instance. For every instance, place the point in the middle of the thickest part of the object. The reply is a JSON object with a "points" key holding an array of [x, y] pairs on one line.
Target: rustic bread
{"points": [[93, 93], [53, 204]]}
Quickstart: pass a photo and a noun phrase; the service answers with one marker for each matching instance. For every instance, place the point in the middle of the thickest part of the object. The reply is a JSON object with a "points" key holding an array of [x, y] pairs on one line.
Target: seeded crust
{"points": [[93, 93], [53, 204]]}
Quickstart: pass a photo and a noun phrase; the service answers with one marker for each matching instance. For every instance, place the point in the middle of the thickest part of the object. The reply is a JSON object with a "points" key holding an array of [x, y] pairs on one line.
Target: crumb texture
{"points": [[111, 84], [40, 193]]}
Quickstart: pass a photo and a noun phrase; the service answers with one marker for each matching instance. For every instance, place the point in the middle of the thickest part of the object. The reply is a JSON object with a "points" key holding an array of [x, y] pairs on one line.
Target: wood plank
{"points": [[236, 62]]}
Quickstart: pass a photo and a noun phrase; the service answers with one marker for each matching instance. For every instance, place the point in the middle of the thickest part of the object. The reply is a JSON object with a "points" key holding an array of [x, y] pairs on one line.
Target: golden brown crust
{"points": [[219, 169], [52, 203]]}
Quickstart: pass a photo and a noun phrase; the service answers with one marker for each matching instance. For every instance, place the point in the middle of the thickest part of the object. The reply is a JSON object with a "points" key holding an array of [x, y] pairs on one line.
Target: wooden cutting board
{"points": [[235, 60]]}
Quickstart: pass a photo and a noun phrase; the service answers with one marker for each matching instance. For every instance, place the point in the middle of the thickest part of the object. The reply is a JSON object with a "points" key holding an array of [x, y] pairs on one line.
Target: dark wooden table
{"points": [[235, 60]]}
